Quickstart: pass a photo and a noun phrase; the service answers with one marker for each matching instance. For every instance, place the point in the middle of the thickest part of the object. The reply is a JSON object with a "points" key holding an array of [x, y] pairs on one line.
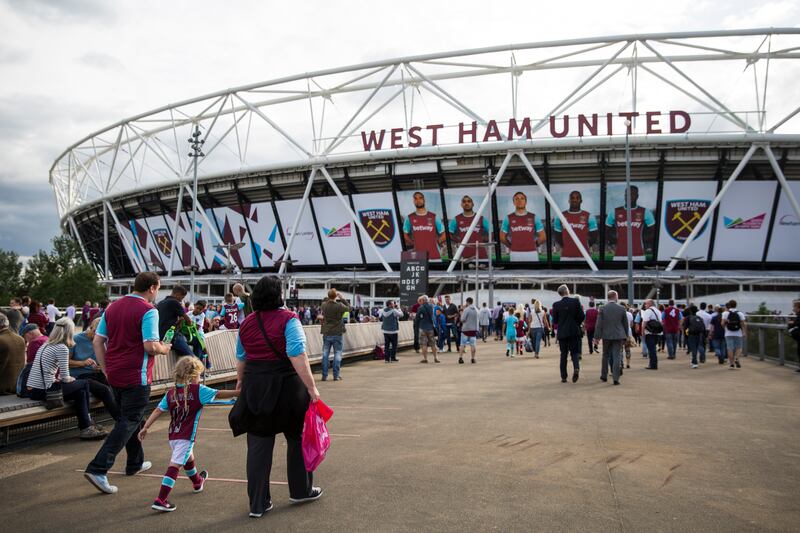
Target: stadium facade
{"points": [[328, 176]]}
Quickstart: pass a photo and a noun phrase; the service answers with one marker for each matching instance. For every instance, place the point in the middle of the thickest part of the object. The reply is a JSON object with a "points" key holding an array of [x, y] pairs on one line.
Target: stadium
{"points": [[326, 177]]}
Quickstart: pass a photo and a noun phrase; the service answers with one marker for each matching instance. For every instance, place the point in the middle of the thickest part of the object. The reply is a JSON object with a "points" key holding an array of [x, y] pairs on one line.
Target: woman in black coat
{"points": [[277, 385]]}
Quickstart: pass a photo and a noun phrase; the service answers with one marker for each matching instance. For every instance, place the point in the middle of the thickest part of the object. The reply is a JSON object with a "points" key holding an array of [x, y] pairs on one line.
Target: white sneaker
{"points": [[146, 465], [694, 366]]}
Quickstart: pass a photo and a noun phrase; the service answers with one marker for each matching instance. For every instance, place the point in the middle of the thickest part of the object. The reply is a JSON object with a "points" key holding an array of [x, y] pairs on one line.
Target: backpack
{"points": [[696, 325], [378, 353], [734, 322], [653, 326]]}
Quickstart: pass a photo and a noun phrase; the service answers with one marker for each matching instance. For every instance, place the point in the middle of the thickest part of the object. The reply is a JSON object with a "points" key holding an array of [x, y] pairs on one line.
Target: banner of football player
{"points": [[422, 224], [521, 215], [267, 244], [377, 215], [644, 198], [786, 230], [462, 205], [580, 204], [306, 248], [743, 221], [684, 203]]}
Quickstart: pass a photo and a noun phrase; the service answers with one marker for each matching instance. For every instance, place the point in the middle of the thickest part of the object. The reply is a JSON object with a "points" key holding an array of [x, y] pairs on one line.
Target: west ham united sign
{"points": [[379, 224], [164, 242], [682, 216]]}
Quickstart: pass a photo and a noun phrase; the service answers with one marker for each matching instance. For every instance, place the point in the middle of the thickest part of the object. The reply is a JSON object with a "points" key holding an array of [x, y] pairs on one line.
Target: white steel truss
{"points": [[313, 120]]}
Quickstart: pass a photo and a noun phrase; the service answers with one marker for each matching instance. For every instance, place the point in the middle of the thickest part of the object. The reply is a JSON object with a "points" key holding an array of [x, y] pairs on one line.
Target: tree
{"points": [[10, 276], [62, 274]]}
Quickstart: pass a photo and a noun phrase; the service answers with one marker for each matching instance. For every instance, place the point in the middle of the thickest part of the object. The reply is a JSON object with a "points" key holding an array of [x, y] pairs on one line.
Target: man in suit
{"points": [[567, 317], [612, 327]]}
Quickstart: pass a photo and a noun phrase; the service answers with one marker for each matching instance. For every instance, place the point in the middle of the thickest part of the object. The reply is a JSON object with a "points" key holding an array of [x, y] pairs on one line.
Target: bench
{"points": [[360, 340]]}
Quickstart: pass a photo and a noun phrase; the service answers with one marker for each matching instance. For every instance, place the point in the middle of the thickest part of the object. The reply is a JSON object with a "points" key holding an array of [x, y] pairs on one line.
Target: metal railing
{"points": [[770, 340]]}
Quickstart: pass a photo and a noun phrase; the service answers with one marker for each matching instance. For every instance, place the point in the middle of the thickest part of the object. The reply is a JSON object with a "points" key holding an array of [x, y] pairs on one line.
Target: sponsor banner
{"points": [[337, 231], [376, 213], [786, 230], [422, 223], [521, 215], [580, 204], [413, 276], [743, 221], [266, 243], [306, 248], [684, 203], [644, 195], [147, 244], [457, 201]]}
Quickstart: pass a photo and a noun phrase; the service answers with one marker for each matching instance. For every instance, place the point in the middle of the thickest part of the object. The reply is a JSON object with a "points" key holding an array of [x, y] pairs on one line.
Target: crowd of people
{"points": [[113, 362]]}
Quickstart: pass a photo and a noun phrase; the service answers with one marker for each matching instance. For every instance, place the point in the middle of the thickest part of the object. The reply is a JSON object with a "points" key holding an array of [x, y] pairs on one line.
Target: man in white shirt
{"points": [[652, 328], [71, 312], [484, 316], [735, 325], [52, 315]]}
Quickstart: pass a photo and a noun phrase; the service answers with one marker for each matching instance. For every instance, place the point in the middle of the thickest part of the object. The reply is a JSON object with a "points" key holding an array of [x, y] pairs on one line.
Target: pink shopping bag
{"points": [[316, 439]]}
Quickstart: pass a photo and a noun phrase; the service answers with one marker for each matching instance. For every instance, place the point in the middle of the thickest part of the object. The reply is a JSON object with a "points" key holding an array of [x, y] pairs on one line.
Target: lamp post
{"points": [[628, 229], [353, 284], [657, 284], [285, 274], [688, 260], [197, 144], [229, 268]]}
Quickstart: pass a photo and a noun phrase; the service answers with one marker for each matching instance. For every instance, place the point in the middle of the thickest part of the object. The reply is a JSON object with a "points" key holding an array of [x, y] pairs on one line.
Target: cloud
{"points": [[100, 61], [28, 220], [13, 56], [769, 14]]}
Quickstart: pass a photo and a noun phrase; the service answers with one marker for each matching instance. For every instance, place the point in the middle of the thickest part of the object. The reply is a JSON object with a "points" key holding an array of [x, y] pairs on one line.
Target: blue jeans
{"points": [[331, 342], [536, 335], [132, 402], [390, 346], [721, 349], [650, 342], [671, 340], [693, 342], [453, 334]]}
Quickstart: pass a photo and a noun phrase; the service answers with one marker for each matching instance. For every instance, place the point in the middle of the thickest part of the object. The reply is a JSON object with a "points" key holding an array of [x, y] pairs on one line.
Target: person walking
{"points": [[653, 329], [589, 325], [695, 329], [426, 325], [390, 328], [539, 326], [332, 330], [126, 354], [568, 316], [484, 319], [613, 329], [469, 331], [717, 336], [793, 327], [276, 386], [415, 325], [497, 317], [671, 319], [451, 319], [735, 324]]}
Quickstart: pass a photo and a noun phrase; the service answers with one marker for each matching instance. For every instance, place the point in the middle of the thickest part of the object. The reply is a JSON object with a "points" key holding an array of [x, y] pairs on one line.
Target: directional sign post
{"points": [[413, 276]]}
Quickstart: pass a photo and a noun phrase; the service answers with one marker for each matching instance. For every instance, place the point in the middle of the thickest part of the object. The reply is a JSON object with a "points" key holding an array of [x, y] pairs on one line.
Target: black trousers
{"points": [[390, 346], [259, 466], [571, 346], [132, 403]]}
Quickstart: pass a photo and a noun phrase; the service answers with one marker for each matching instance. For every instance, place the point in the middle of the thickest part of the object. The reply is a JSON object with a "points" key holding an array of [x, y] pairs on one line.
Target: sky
{"points": [[71, 67]]}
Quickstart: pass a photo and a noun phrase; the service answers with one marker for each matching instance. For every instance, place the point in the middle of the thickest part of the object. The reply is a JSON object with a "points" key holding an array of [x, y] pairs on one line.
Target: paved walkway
{"points": [[501, 445]]}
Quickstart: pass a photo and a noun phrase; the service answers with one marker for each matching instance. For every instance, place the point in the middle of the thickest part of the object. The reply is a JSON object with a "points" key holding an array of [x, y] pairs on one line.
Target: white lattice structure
{"points": [[738, 88]]}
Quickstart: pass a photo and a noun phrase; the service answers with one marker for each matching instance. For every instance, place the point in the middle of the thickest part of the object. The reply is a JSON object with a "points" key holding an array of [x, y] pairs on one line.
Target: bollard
{"points": [[781, 348]]}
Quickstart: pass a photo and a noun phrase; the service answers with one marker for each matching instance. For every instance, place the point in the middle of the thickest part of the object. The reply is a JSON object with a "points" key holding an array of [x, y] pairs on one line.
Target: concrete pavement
{"points": [[500, 445]]}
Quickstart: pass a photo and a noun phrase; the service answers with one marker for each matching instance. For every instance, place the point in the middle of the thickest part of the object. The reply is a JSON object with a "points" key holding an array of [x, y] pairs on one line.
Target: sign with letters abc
{"points": [[413, 276]]}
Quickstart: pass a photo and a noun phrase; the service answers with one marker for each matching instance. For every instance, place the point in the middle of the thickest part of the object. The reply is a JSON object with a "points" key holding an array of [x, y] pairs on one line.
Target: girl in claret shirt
{"points": [[521, 328], [184, 402]]}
